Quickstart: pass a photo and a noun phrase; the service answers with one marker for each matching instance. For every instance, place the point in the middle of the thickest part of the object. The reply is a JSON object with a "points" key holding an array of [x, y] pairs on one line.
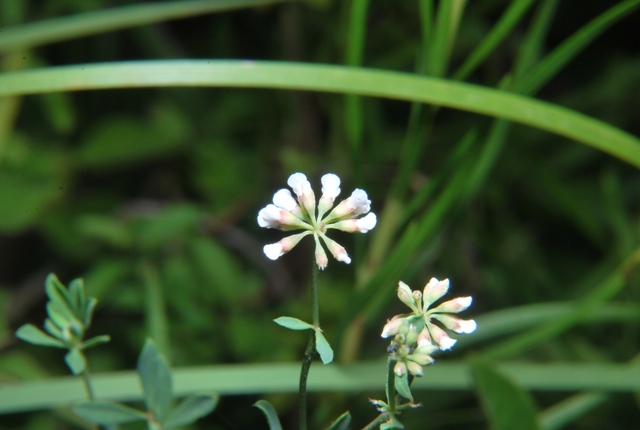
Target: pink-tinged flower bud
{"points": [[321, 256], [414, 368], [417, 295], [421, 359], [361, 225], [424, 338], [412, 335], [273, 217], [426, 349], [302, 188], [278, 249], [440, 337], [404, 294], [456, 324], [454, 306], [337, 250], [330, 190], [283, 199], [400, 369], [351, 207], [433, 291], [392, 327]]}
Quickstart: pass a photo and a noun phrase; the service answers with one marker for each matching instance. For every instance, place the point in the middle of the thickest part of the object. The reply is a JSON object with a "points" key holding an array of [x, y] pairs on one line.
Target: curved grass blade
{"points": [[84, 24], [340, 79]]}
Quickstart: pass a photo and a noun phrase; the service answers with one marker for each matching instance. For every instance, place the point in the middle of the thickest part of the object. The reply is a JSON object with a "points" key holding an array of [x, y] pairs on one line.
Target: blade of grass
{"points": [[444, 35], [296, 76], [84, 24], [498, 33], [235, 379], [570, 48], [565, 412], [596, 297], [356, 31]]}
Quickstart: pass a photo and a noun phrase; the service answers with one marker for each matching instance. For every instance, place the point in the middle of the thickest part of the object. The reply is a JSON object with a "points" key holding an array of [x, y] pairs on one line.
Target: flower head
{"points": [[415, 335], [299, 213]]}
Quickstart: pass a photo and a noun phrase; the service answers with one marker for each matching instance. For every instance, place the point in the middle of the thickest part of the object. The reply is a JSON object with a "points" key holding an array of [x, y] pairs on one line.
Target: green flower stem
{"points": [[391, 385], [311, 348], [88, 388]]}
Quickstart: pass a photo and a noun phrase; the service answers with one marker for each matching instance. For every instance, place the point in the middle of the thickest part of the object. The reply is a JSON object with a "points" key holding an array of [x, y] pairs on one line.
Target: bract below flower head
{"points": [[299, 213]]}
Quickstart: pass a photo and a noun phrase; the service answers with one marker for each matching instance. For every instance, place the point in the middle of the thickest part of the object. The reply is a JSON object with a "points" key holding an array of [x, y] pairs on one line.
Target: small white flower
{"points": [[289, 213]]}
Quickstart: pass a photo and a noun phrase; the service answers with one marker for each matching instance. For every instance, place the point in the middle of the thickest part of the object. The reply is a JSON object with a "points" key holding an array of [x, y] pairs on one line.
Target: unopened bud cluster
{"points": [[415, 335]]}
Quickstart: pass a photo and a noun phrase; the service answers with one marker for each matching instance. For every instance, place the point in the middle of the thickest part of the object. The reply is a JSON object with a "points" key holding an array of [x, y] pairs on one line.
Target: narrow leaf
{"points": [[105, 413], [293, 323], [342, 423], [190, 409], [402, 387], [88, 311], [77, 295], [56, 291], [95, 341], [156, 380], [76, 361], [270, 413], [52, 329], [32, 334], [323, 348], [506, 405]]}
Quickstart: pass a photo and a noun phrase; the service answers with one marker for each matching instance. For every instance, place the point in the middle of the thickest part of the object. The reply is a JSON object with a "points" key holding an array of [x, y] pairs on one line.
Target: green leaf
{"points": [[402, 387], [156, 381], [76, 361], [323, 348], [190, 409], [340, 79], [103, 412], [270, 413], [88, 310], [95, 341], [58, 293], [293, 323], [52, 328], [77, 296], [506, 405], [119, 141], [342, 423], [32, 334]]}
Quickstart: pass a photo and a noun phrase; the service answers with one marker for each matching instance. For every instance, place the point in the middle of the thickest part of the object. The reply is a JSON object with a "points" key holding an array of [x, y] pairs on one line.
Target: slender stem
{"points": [[88, 388], [311, 348], [86, 381], [377, 421], [391, 385]]}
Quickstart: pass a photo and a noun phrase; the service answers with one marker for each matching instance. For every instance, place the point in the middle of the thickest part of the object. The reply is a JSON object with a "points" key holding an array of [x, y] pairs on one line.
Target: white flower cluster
{"points": [[415, 334], [288, 213]]}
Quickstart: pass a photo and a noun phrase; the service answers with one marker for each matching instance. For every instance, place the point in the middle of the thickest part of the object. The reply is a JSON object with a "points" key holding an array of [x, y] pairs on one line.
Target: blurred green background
{"points": [[151, 195]]}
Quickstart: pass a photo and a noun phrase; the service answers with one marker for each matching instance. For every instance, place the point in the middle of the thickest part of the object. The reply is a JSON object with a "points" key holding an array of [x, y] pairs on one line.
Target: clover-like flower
{"points": [[422, 317], [288, 213]]}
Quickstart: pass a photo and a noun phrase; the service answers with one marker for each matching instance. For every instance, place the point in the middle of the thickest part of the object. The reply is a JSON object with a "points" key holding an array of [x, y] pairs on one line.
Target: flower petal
{"points": [[302, 188], [283, 199], [454, 306], [455, 324], [351, 207], [330, 190], [433, 291], [440, 337], [360, 225], [414, 368], [321, 256], [276, 250], [337, 250], [404, 294], [392, 327], [272, 216]]}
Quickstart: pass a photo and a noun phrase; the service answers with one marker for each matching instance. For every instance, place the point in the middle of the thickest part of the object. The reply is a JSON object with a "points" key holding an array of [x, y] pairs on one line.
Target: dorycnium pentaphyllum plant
{"points": [[315, 219], [69, 316], [414, 337], [69, 313]]}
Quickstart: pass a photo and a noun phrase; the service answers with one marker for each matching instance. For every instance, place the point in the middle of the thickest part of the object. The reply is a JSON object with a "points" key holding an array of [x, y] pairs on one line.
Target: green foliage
{"points": [[69, 317], [507, 406], [270, 413], [498, 143]]}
